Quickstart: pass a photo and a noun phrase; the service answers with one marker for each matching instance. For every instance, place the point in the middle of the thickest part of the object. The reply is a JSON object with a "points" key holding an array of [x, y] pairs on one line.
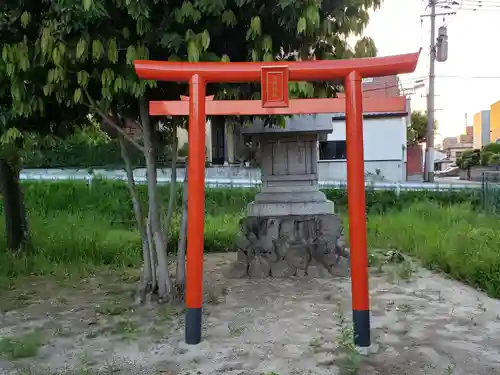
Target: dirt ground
{"points": [[422, 322]]}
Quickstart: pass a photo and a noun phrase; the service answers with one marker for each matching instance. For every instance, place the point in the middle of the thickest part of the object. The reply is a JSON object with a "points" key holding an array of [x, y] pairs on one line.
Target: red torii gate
{"points": [[274, 78]]}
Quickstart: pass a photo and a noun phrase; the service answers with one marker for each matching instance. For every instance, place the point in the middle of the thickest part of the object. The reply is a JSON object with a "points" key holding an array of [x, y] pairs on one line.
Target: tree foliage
{"points": [[23, 71], [65, 59], [57, 50], [417, 130], [489, 155], [469, 159]]}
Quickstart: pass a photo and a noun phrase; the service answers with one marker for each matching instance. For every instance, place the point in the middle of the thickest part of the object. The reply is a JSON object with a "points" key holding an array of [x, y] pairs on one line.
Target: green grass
{"points": [[453, 239], [18, 347], [76, 230], [111, 199], [73, 245]]}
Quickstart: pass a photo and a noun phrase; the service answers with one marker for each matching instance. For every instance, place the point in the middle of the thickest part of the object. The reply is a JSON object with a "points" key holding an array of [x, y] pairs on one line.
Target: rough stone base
{"points": [[285, 246]]}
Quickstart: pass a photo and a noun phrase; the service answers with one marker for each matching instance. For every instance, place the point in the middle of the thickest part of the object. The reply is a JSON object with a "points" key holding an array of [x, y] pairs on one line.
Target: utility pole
{"points": [[429, 151]]}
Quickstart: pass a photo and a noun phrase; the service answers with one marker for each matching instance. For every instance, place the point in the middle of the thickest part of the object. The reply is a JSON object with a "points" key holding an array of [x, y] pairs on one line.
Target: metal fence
{"points": [[490, 192], [242, 182]]}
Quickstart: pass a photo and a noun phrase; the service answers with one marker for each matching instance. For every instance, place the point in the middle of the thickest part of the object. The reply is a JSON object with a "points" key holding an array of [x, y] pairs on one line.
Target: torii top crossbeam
{"points": [[237, 72]]}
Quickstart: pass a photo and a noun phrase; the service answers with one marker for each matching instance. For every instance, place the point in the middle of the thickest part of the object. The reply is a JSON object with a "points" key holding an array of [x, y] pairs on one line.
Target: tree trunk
{"points": [[148, 271], [181, 246], [165, 287], [173, 188], [152, 254], [16, 223]]}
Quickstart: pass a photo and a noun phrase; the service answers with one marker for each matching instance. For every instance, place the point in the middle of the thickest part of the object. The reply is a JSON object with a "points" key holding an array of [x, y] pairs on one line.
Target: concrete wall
{"points": [[336, 170], [476, 174], [384, 149]]}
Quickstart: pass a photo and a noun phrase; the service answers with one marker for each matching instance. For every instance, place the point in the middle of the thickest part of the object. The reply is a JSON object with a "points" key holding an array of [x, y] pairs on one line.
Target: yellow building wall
{"points": [[477, 127], [495, 122]]}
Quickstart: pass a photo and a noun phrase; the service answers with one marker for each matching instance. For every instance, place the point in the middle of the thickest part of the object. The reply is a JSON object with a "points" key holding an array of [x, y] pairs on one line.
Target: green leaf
{"points": [[77, 96], [97, 49], [56, 56], [141, 52], [107, 77], [50, 75], [5, 53], [301, 25], [119, 84], [268, 57], [228, 18], [46, 41], [131, 53], [210, 57], [47, 89], [82, 78], [281, 121], [187, 12], [87, 4], [172, 41], [113, 51], [10, 136], [193, 51], [25, 19], [255, 25], [267, 44], [81, 49], [126, 32], [255, 28], [224, 58], [205, 39], [312, 15], [190, 34], [255, 55]]}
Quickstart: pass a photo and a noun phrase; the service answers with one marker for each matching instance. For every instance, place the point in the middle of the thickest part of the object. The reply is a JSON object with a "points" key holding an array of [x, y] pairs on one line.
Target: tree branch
{"points": [[106, 118]]}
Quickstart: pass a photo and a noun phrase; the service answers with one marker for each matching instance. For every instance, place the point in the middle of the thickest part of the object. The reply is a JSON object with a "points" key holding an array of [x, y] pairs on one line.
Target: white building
{"points": [[384, 137]]}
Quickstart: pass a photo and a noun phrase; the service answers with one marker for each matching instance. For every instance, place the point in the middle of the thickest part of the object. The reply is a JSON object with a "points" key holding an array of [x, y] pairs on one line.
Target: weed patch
{"points": [[18, 347]]}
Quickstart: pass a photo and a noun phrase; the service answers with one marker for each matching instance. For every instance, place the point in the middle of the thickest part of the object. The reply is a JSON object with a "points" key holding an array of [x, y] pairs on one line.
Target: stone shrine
{"points": [[290, 228]]}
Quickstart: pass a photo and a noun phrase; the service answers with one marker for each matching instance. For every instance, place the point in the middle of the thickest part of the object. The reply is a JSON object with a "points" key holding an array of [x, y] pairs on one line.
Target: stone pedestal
{"points": [[290, 228], [289, 177]]}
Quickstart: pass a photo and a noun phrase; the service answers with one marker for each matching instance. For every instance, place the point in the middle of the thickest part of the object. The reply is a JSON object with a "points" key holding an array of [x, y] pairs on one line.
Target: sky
{"points": [[473, 54]]}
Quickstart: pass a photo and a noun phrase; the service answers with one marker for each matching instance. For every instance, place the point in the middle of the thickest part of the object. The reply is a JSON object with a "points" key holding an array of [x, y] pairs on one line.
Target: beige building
{"points": [[453, 147]]}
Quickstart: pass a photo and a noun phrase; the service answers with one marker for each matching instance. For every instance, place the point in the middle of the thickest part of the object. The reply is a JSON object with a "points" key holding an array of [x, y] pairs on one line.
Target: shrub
{"points": [[494, 148], [74, 153]]}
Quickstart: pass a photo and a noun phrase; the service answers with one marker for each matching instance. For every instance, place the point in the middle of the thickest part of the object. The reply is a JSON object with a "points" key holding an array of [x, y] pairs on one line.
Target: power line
{"points": [[468, 6], [469, 77], [479, 2], [474, 3], [438, 76]]}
